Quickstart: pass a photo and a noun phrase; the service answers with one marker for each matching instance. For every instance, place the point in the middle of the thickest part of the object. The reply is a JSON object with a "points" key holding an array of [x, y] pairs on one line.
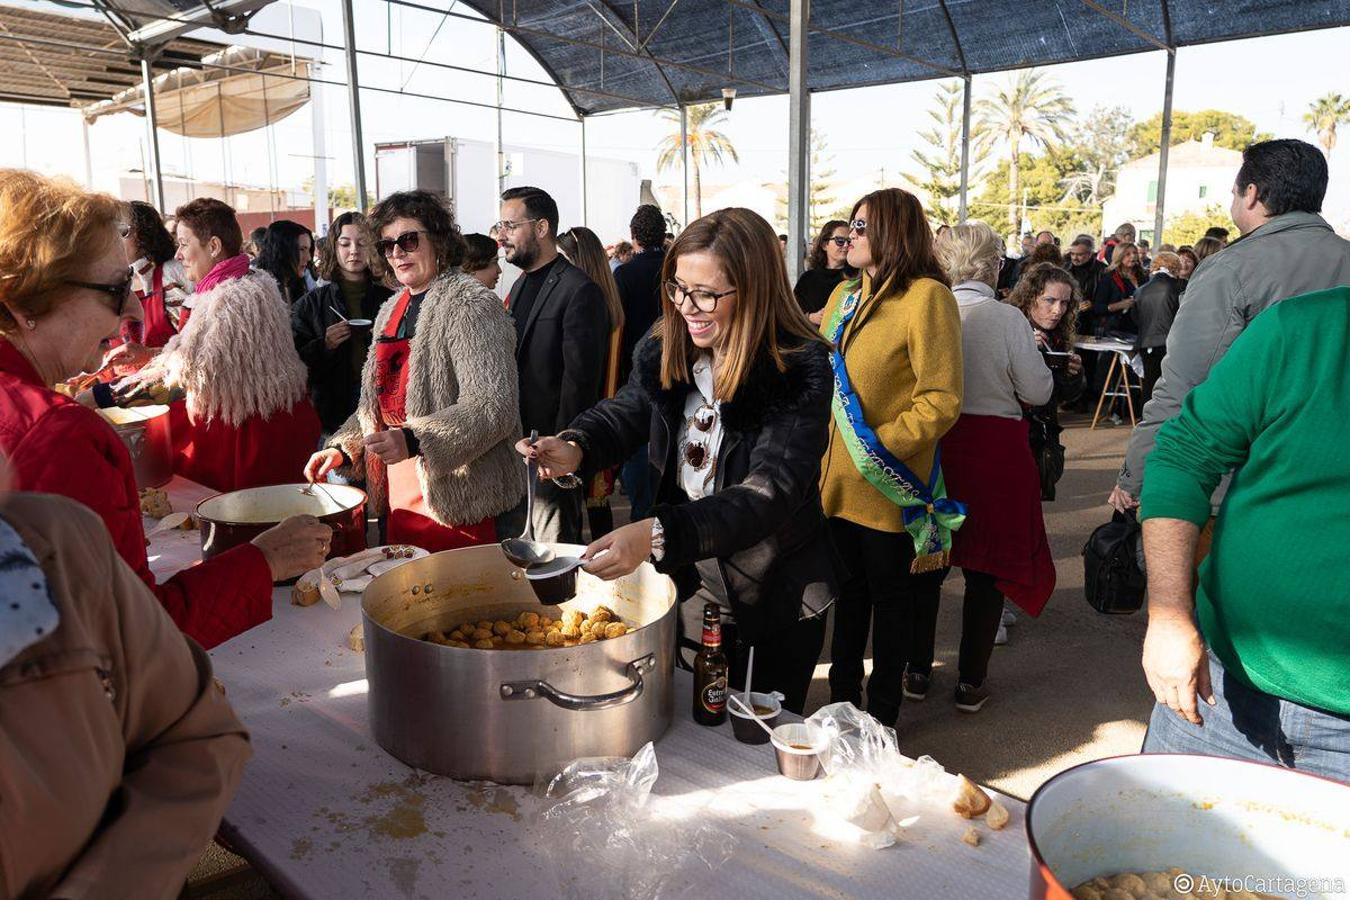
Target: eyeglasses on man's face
{"points": [[508, 225], [704, 301]]}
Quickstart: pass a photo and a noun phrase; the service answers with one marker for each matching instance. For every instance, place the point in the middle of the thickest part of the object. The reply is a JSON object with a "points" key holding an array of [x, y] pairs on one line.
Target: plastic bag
{"points": [[874, 786], [602, 841]]}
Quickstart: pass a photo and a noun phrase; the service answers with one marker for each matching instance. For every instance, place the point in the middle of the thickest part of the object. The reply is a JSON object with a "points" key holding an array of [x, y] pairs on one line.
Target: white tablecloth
{"points": [[325, 813]]}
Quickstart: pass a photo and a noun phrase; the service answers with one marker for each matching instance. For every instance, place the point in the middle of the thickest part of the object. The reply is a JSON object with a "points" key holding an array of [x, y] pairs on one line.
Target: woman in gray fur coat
{"points": [[439, 406]]}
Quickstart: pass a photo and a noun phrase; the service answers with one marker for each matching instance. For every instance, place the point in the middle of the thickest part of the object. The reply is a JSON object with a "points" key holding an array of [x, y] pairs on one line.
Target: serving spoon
{"points": [[525, 551]]}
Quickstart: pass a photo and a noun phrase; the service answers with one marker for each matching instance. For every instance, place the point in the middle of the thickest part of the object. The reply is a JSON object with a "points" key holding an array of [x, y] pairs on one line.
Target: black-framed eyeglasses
{"points": [[704, 301], [839, 241], [118, 292], [408, 242], [508, 225], [857, 226]]}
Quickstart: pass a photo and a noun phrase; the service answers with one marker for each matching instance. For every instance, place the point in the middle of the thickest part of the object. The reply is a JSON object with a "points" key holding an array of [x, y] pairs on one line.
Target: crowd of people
{"points": [[787, 451]]}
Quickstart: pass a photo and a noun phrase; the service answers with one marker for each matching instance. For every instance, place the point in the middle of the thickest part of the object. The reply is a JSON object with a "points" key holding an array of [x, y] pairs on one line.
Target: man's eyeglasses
{"points": [[118, 292], [839, 241], [408, 242], [704, 301], [857, 226], [507, 225]]}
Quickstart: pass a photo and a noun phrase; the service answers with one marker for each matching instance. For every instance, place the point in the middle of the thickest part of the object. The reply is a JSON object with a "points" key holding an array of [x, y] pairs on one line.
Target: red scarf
{"points": [[233, 267]]}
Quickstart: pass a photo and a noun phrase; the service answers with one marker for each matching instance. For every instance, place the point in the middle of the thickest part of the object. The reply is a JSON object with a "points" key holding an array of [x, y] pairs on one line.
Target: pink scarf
{"points": [[234, 267]]}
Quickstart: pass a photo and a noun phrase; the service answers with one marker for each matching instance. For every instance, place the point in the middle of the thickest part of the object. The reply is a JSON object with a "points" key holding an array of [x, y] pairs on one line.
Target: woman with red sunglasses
{"points": [[65, 290], [432, 433]]}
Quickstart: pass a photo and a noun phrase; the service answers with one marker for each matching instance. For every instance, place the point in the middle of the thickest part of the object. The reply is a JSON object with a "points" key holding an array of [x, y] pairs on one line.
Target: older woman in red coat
{"points": [[64, 290]]}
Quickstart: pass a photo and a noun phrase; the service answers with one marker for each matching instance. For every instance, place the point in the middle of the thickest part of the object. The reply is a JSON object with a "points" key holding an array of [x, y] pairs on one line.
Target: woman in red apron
{"points": [[438, 413]]}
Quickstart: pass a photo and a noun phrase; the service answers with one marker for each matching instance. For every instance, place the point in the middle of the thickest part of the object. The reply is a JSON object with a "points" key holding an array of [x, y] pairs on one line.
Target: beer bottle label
{"points": [[712, 635], [715, 695]]}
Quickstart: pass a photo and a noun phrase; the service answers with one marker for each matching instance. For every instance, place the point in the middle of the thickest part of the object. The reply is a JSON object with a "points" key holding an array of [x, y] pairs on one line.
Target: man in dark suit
{"points": [[639, 282], [562, 335]]}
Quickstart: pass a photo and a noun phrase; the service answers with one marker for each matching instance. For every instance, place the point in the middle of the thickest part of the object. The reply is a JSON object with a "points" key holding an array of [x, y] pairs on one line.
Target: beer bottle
{"points": [[710, 671]]}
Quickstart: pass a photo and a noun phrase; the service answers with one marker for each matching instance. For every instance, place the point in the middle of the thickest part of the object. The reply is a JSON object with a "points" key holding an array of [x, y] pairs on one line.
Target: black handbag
{"points": [[1048, 453], [1113, 572]]}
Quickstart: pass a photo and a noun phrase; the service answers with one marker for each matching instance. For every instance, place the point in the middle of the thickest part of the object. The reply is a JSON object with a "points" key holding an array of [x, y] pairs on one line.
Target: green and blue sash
{"points": [[927, 513]]}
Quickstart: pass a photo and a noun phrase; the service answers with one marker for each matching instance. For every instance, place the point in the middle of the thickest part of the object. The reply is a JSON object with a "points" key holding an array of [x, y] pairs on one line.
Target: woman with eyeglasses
{"points": [[731, 389], [1001, 546], [64, 290], [432, 434], [826, 266], [333, 349], [897, 361]]}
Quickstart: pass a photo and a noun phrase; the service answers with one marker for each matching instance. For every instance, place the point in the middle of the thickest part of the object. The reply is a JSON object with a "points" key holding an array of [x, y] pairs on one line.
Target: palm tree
{"points": [[706, 145], [1031, 106], [1323, 115]]}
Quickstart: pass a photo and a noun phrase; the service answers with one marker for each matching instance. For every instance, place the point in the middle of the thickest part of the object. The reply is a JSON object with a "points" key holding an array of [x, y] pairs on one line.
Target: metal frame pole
{"points": [[965, 149], [156, 174], [684, 160], [583, 173], [799, 130], [354, 98], [500, 146], [1164, 147]]}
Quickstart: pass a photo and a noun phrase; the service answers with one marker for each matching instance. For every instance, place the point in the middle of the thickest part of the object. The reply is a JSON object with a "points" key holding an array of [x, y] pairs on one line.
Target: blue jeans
{"points": [[636, 480], [1249, 724]]}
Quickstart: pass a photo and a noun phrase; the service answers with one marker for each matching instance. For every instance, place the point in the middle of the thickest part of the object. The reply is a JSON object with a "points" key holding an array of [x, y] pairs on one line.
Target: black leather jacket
{"points": [[1155, 306], [764, 524], [333, 386]]}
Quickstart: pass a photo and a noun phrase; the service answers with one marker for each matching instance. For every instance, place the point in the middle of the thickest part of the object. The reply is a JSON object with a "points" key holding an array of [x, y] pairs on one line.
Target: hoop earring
{"points": [[31, 323]]}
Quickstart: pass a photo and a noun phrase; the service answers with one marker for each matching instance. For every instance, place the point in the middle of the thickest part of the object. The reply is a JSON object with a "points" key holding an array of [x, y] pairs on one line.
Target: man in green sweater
{"points": [[1270, 653]]}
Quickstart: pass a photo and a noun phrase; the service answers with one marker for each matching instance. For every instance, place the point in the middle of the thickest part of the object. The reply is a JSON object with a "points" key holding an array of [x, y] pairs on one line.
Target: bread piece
{"points": [[155, 503], [997, 817], [305, 593], [970, 802], [972, 836], [356, 639]]}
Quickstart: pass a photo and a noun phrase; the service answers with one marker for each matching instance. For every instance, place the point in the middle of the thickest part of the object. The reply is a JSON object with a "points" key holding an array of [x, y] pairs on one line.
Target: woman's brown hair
{"points": [[436, 216], [767, 317], [1206, 247], [207, 217], [817, 259], [328, 249], [583, 249], [901, 240], [1034, 282], [50, 229]]}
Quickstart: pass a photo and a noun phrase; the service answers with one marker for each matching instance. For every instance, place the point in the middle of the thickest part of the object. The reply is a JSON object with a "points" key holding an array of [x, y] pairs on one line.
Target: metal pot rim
{"points": [[218, 520]]}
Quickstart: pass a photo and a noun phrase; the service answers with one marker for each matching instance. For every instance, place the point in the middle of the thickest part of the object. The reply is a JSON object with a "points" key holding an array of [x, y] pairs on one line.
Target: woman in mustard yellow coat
{"points": [[897, 363]]}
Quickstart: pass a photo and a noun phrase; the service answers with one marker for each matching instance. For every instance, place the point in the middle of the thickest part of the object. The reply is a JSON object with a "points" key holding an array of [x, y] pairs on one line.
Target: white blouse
{"points": [[700, 482]]}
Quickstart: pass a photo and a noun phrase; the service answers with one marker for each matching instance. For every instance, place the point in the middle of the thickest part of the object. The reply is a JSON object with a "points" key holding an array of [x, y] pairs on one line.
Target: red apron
{"points": [[158, 327], [410, 518], [987, 465]]}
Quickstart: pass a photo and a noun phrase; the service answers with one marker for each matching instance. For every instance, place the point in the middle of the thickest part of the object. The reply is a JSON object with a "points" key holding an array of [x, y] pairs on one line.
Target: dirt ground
{"points": [[1066, 689]]}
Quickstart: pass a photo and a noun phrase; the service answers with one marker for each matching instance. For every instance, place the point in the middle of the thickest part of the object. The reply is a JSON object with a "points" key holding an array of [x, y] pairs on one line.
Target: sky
{"points": [[870, 130]]}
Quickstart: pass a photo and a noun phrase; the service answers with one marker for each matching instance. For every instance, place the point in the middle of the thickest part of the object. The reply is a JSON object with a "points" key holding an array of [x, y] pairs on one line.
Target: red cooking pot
{"points": [[237, 517]]}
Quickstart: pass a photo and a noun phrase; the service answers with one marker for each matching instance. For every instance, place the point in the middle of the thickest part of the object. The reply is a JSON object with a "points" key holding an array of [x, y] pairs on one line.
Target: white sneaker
{"points": [[1009, 617], [1002, 637]]}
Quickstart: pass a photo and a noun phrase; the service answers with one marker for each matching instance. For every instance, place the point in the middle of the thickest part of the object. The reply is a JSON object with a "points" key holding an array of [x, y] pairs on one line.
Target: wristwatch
{"points": [[658, 540]]}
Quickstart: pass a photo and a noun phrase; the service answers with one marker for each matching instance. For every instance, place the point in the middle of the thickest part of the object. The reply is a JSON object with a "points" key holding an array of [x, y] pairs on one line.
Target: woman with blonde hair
{"points": [[583, 249], [333, 349], [1113, 304], [1001, 548], [897, 390], [732, 390], [64, 292]]}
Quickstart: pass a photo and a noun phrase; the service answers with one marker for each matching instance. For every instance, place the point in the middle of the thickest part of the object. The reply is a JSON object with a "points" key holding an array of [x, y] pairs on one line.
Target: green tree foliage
{"points": [[342, 197], [939, 172], [1230, 130], [1043, 178], [1190, 227], [1030, 107], [1322, 117], [1100, 144], [707, 145]]}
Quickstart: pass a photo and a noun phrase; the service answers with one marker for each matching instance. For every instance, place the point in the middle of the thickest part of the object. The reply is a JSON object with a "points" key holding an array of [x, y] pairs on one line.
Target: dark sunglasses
{"points": [[408, 242], [858, 226], [118, 292], [839, 241], [696, 452]]}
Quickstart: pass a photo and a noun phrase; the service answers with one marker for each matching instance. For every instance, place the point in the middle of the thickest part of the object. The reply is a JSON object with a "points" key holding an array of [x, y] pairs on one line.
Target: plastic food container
{"points": [[744, 727], [798, 747]]}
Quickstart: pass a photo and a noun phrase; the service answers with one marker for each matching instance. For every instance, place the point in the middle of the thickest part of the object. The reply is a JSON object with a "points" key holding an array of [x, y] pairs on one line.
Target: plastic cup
{"points": [[360, 323], [744, 727], [797, 747]]}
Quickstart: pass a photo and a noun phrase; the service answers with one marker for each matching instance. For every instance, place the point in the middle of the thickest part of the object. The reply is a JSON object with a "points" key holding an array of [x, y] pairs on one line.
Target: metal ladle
{"points": [[525, 551]]}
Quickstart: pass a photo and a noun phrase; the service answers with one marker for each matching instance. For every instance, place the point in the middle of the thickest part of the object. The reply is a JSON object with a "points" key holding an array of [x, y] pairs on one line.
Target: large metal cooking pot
{"points": [[1210, 817], [145, 431], [239, 516], [507, 715]]}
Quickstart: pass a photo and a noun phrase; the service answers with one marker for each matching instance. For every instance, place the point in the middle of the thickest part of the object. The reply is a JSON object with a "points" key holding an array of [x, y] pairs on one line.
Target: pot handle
{"points": [[533, 690]]}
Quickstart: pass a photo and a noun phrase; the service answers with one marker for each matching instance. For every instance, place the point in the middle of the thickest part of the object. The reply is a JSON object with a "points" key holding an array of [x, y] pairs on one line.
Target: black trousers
{"points": [[1153, 360], [785, 661], [876, 593], [981, 613]]}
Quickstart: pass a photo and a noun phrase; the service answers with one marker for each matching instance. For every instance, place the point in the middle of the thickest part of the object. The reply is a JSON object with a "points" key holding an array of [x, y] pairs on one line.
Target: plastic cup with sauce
{"points": [[767, 708], [798, 747]]}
